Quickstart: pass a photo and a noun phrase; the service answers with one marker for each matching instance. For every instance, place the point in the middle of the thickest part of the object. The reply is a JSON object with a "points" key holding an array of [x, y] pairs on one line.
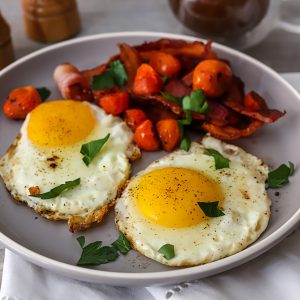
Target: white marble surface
{"points": [[280, 49], [1, 260]]}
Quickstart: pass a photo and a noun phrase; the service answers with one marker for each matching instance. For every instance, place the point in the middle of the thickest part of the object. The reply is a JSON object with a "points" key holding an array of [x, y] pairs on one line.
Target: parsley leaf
{"points": [[188, 118], [81, 241], [220, 161], [167, 251], [114, 75], [185, 143], [211, 209], [171, 97], [93, 254], [104, 81], [118, 72], [122, 244], [280, 176], [43, 92], [57, 190], [195, 102], [90, 150]]}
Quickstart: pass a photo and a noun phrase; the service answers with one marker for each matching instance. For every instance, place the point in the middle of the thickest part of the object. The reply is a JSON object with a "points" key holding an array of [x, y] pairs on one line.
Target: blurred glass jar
{"points": [[238, 23], [220, 18]]}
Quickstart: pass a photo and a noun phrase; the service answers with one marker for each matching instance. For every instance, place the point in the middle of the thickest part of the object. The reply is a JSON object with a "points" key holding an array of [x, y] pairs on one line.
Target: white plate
{"points": [[52, 246]]}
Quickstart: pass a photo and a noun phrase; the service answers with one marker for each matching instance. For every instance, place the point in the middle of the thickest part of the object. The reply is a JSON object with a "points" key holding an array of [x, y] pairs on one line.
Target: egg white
{"points": [[26, 165], [246, 206]]}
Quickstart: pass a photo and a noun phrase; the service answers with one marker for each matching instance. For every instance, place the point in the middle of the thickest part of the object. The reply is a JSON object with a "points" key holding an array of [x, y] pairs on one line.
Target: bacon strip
{"points": [[71, 83], [177, 88], [188, 79], [174, 107], [265, 115], [235, 101], [131, 60], [229, 132], [217, 114], [181, 48], [236, 92], [159, 44], [90, 73]]}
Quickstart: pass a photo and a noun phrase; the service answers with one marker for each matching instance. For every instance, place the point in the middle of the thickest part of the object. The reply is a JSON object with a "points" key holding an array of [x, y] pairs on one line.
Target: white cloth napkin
{"points": [[274, 275]]}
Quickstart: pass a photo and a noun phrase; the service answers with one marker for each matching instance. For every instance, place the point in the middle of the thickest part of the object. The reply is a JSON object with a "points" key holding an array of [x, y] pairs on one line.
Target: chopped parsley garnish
{"points": [[220, 161], [122, 244], [43, 92], [114, 75], [118, 72], [93, 254], [185, 143], [211, 209], [90, 150], [103, 81], [195, 102], [188, 119], [167, 251], [81, 241], [58, 190], [280, 176], [171, 97]]}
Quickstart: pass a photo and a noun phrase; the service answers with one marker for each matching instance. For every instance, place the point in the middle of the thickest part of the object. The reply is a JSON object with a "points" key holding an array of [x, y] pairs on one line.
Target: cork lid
{"points": [[47, 8]]}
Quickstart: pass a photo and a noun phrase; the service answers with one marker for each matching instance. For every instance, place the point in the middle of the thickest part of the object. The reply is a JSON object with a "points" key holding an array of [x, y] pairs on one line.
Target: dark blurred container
{"points": [[51, 20], [220, 19], [6, 48]]}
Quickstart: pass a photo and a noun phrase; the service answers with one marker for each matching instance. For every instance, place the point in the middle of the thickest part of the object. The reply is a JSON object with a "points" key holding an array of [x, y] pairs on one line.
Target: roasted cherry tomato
{"points": [[213, 76], [21, 101], [114, 104], [169, 133], [165, 64], [146, 81], [134, 117], [145, 136]]}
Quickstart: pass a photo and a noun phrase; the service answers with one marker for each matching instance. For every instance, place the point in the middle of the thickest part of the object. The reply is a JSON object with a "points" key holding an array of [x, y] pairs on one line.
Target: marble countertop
{"points": [[280, 50]]}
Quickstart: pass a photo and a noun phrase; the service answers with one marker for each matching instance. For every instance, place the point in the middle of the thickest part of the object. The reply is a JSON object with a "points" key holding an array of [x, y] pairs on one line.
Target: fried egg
{"points": [[46, 154], [160, 204]]}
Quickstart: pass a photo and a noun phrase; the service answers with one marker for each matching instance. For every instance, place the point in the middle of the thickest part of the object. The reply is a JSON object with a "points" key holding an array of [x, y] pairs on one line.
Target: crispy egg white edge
{"points": [[45, 207], [217, 246]]}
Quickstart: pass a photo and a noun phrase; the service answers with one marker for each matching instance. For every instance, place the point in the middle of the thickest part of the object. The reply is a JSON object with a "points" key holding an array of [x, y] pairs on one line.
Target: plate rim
{"points": [[126, 278]]}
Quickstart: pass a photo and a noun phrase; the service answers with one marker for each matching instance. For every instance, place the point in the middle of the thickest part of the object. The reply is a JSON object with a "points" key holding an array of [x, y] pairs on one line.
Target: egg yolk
{"points": [[59, 123], [169, 196]]}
